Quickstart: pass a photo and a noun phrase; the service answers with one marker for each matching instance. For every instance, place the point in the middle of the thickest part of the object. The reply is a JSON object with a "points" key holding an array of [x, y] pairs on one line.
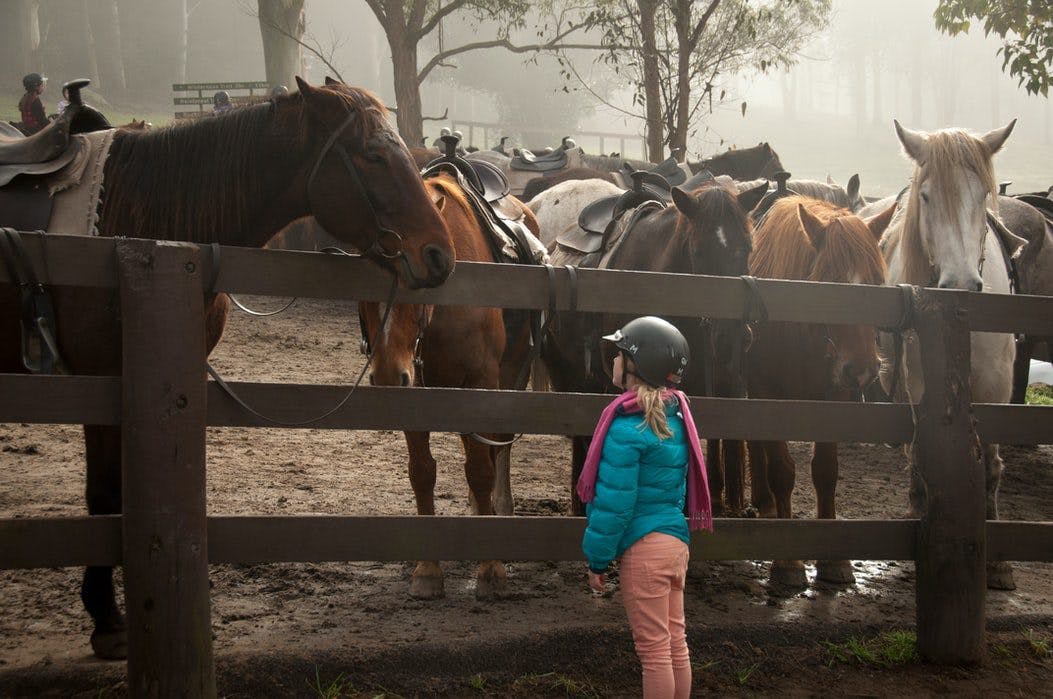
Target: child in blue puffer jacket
{"points": [[643, 466]]}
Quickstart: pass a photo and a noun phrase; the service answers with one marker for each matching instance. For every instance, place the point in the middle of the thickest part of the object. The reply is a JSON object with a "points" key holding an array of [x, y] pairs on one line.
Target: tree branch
{"points": [[702, 22], [313, 49], [429, 25]]}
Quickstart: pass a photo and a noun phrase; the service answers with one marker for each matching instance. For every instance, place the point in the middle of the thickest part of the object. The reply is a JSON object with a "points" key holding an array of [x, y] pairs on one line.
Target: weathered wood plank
{"points": [[1014, 424], [64, 400], [1019, 541], [80, 541], [163, 478], [84, 261], [948, 490]]}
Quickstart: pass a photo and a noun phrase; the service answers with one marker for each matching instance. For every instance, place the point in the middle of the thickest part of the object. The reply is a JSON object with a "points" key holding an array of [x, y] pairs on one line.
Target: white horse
{"points": [[557, 208], [941, 238]]}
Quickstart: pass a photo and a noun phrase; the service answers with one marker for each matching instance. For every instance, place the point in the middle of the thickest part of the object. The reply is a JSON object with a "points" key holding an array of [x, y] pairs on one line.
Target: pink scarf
{"points": [[699, 510]]}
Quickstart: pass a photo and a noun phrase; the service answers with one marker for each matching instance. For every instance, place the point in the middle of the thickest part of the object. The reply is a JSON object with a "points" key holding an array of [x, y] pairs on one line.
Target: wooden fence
{"points": [[165, 540]]}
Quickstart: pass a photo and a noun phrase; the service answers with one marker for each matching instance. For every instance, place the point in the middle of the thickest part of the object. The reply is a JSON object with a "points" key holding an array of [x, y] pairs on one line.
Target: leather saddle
{"points": [[538, 162], [25, 202], [769, 199], [595, 220], [486, 179], [669, 168]]}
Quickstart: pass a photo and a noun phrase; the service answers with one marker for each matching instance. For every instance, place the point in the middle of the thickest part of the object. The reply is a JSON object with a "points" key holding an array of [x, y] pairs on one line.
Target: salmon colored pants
{"points": [[652, 574]]}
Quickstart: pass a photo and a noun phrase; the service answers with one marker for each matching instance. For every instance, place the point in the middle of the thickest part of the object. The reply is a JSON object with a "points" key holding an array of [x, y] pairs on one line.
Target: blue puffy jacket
{"points": [[640, 487]]}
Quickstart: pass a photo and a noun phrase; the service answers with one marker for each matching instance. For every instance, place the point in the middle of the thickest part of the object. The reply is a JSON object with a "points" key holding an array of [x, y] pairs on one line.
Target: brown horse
{"points": [[705, 231], [236, 180], [810, 240], [760, 161], [457, 347]]}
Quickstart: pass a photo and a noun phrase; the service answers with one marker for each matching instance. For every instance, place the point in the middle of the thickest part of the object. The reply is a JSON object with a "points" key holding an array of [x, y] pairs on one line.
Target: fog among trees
{"points": [[829, 112]]}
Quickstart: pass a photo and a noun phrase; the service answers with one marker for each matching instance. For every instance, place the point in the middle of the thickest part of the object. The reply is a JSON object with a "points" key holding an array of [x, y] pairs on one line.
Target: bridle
{"points": [[375, 249]]}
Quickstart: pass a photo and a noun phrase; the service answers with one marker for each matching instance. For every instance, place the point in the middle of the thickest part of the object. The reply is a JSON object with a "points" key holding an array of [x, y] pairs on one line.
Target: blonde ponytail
{"points": [[652, 402]]}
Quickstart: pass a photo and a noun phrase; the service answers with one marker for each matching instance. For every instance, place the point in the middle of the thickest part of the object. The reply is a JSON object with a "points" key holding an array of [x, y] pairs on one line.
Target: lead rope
{"points": [[298, 423], [906, 320]]}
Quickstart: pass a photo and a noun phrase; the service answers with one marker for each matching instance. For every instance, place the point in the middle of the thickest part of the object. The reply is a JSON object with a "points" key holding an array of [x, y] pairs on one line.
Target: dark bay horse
{"points": [[810, 240], [760, 161], [455, 347], [237, 179], [705, 231]]}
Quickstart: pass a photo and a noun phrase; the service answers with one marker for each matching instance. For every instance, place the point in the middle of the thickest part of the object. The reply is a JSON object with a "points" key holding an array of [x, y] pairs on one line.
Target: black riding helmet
{"points": [[33, 81], [656, 347], [221, 97]]}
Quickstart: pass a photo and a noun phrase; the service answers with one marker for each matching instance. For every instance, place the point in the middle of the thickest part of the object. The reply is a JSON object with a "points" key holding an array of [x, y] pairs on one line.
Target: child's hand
{"points": [[596, 581]]}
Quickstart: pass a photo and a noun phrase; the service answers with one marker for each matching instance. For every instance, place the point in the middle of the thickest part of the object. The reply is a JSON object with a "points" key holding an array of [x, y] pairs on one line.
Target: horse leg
{"points": [[1022, 368], [426, 581], [760, 490], [504, 503], [715, 476], [734, 455], [824, 478], [579, 450], [491, 579], [102, 449], [782, 472], [999, 573]]}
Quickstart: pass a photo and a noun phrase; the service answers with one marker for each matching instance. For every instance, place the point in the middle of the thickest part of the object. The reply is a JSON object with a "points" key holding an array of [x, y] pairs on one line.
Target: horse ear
{"points": [[829, 180], [684, 202], [331, 81], [879, 223], [914, 142], [304, 86], [749, 199], [440, 202], [853, 187], [812, 226], [995, 139]]}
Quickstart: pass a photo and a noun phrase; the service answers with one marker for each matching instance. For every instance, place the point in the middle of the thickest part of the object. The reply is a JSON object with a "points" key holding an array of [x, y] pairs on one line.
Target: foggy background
{"points": [[829, 114]]}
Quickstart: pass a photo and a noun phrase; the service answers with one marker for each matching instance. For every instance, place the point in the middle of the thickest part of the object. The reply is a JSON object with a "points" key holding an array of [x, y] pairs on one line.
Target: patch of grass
{"points": [[889, 649], [477, 682], [1039, 644], [743, 674], [1001, 650], [338, 687], [1039, 394], [557, 681]]}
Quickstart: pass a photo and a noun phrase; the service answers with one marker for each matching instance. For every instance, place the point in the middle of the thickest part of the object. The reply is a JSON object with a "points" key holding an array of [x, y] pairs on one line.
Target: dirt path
{"points": [[275, 623]]}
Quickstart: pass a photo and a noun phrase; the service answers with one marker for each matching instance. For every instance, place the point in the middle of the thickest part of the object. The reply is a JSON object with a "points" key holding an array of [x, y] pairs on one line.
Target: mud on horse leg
{"points": [[715, 476], [109, 639], [782, 472], [824, 478], [491, 578], [579, 450], [760, 491], [999, 573], [427, 579]]}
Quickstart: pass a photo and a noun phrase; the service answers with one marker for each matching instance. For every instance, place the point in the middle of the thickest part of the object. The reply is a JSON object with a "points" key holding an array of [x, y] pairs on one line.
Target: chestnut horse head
{"points": [[812, 240]]}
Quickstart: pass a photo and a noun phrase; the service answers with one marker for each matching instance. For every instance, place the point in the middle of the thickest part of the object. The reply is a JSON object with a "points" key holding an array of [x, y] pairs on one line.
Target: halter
{"points": [[375, 248]]}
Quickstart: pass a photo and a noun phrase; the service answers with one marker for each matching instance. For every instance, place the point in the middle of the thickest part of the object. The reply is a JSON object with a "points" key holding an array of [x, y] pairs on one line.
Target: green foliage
{"points": [[558, 682], [1039, 394], [334, 689], [1025, 26], [1039, 644], [889, 649], [477, 682]]}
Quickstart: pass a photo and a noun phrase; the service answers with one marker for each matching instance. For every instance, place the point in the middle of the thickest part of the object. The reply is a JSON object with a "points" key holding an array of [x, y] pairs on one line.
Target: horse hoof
{"points": [[491, 582], [504, 507], [1000, 576], [789, 574], [427, 587], [835, 572], [110, 645]]}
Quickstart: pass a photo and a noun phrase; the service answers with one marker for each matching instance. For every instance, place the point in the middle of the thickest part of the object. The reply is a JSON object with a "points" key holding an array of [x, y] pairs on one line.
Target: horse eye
{"points": [[373, 157]]}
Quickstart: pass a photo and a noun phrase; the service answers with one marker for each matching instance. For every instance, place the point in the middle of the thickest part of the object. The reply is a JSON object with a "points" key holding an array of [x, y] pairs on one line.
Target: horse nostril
{"points": [[437, 261], [405, 378]]}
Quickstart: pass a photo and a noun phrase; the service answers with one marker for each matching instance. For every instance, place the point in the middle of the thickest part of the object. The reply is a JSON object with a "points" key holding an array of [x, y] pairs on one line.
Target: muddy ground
{"points": [[352, 629]]}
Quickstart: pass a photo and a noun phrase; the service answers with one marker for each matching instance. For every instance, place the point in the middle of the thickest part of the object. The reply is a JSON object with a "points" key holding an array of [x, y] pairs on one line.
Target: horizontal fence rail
{"points": [[96, 400], [76, 541], [90, 262]]}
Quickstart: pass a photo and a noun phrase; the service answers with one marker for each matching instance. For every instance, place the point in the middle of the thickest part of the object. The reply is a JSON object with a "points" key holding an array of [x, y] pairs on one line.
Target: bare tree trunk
{"points": [[678, 138], [282, 55], [410, 116], [67, 48], [106, 32], [652, 96], [875, 68], [16, 40]]}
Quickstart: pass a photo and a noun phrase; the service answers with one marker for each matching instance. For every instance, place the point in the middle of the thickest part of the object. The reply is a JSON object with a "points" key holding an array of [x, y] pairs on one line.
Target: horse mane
{"points": [[945, 151], [451, 189], [783, 250], [833, 193], [194, 181]]}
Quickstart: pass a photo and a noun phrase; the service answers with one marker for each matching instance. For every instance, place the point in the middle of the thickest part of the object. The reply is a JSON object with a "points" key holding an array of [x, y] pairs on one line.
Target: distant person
{"points": [[34, 117], [279, 91], [64, 102], [221, 103]]}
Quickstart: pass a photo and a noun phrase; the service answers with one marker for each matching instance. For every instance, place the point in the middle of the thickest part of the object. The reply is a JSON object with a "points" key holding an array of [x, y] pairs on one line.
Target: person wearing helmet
{"points": [[279, 91], [643, 471], [221, 103], [34, 116]]}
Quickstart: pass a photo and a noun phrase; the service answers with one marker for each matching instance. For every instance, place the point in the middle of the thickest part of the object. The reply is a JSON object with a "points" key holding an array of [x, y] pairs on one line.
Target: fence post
{"points": [[163, 477], [952, 546]]}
